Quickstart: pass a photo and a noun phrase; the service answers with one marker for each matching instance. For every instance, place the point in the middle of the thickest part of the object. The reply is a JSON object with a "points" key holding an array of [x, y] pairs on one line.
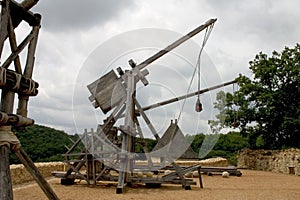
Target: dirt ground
{"points": [[251, 185]]}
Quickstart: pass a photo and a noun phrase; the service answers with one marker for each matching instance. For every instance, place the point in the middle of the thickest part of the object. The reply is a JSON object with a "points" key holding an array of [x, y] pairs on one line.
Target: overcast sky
{"points": [[76, 33]]}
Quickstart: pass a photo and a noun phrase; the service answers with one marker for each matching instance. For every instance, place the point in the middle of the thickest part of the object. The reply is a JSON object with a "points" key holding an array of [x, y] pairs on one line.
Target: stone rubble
{"points": [[282, 161]]}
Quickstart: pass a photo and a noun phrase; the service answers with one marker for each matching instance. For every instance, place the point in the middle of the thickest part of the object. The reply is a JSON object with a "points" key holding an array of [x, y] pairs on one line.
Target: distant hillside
{"points": [[43, 143]]}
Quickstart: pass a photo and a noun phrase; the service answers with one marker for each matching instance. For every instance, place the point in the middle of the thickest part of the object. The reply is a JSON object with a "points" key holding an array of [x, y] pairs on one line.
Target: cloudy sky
{"points": [[81, 40]]}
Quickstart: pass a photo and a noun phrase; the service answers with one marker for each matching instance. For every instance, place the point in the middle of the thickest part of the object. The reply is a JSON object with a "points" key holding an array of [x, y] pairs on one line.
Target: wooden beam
{"points": [[23, 98], [14, 120], [187, 95], [14, 46], [19, 84], [7, 105], [175, 44], [27, 4], [4, 23], [19, 13], [6, 191], [14, 54]]}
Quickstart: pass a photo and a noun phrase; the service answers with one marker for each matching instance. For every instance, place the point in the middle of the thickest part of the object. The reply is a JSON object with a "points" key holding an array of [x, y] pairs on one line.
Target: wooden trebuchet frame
{"points": [[107, 151], [17, 81]]}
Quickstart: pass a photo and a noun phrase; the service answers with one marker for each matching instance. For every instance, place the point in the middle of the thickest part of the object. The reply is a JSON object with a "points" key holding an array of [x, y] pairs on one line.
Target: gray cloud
{"points": [[70, 33], [75, 15]]}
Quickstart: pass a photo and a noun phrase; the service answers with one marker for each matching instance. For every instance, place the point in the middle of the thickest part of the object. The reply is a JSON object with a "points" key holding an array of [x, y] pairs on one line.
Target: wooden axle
{"points": [[14, 120], [16, 82]]}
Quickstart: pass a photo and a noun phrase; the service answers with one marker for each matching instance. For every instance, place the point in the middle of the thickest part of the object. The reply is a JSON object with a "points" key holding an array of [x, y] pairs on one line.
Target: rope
{"points": [[18, 81], [7, 137], [205, 39]]}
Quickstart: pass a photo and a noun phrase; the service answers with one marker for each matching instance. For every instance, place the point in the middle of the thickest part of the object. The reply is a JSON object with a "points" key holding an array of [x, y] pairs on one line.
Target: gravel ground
{"points": [[251, 185]]}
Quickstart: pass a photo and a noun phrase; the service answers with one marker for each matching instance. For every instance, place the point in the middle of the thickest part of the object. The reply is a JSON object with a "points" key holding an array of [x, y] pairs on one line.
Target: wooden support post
{"points": [[23, 99], [127, 139], [4, 23], [200, 177], [5, 178], [7, 101], [93, 156]]}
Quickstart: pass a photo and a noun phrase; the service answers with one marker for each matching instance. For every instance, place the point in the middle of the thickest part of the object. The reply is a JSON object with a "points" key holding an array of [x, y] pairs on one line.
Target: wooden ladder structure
{"points": [[15, 81]]}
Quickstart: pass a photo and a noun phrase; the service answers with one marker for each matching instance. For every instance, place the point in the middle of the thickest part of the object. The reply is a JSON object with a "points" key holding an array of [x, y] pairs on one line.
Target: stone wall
{"points": [[283, 161], [20, 175]]}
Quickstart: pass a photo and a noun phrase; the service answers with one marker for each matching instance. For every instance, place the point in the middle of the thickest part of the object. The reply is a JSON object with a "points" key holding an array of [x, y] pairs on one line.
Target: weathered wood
{"points": [[4, 23], [175, 44], [7, 101], [27, 4], [125, 161], [11, 7], [33, 170], [17, 83], [231, 170], [5, 178], [31, 50], [23, 99], [15, 54], [200, 177], [19, 13], [14, 46], [187, 96], [14, 120], [147, 120], [107, 91]]}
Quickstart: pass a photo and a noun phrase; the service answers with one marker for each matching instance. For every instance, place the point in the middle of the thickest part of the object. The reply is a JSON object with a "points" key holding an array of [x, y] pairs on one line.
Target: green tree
{"points": [[43, 144], [268, 104]]}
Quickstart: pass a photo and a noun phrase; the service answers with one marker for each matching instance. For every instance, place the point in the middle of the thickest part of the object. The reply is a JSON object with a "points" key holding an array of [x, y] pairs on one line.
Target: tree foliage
{"points": [[42, 143], [227, 145], [267, 105]]}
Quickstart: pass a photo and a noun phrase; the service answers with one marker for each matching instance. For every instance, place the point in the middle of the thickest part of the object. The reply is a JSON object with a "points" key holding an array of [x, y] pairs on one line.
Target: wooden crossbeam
{"points": [[21, 12], [10, 80]]}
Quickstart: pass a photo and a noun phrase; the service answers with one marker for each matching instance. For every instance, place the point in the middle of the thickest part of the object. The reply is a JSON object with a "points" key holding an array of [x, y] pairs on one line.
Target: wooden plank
{"points": [[6, 191], [231, 170], [108, 91]]}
